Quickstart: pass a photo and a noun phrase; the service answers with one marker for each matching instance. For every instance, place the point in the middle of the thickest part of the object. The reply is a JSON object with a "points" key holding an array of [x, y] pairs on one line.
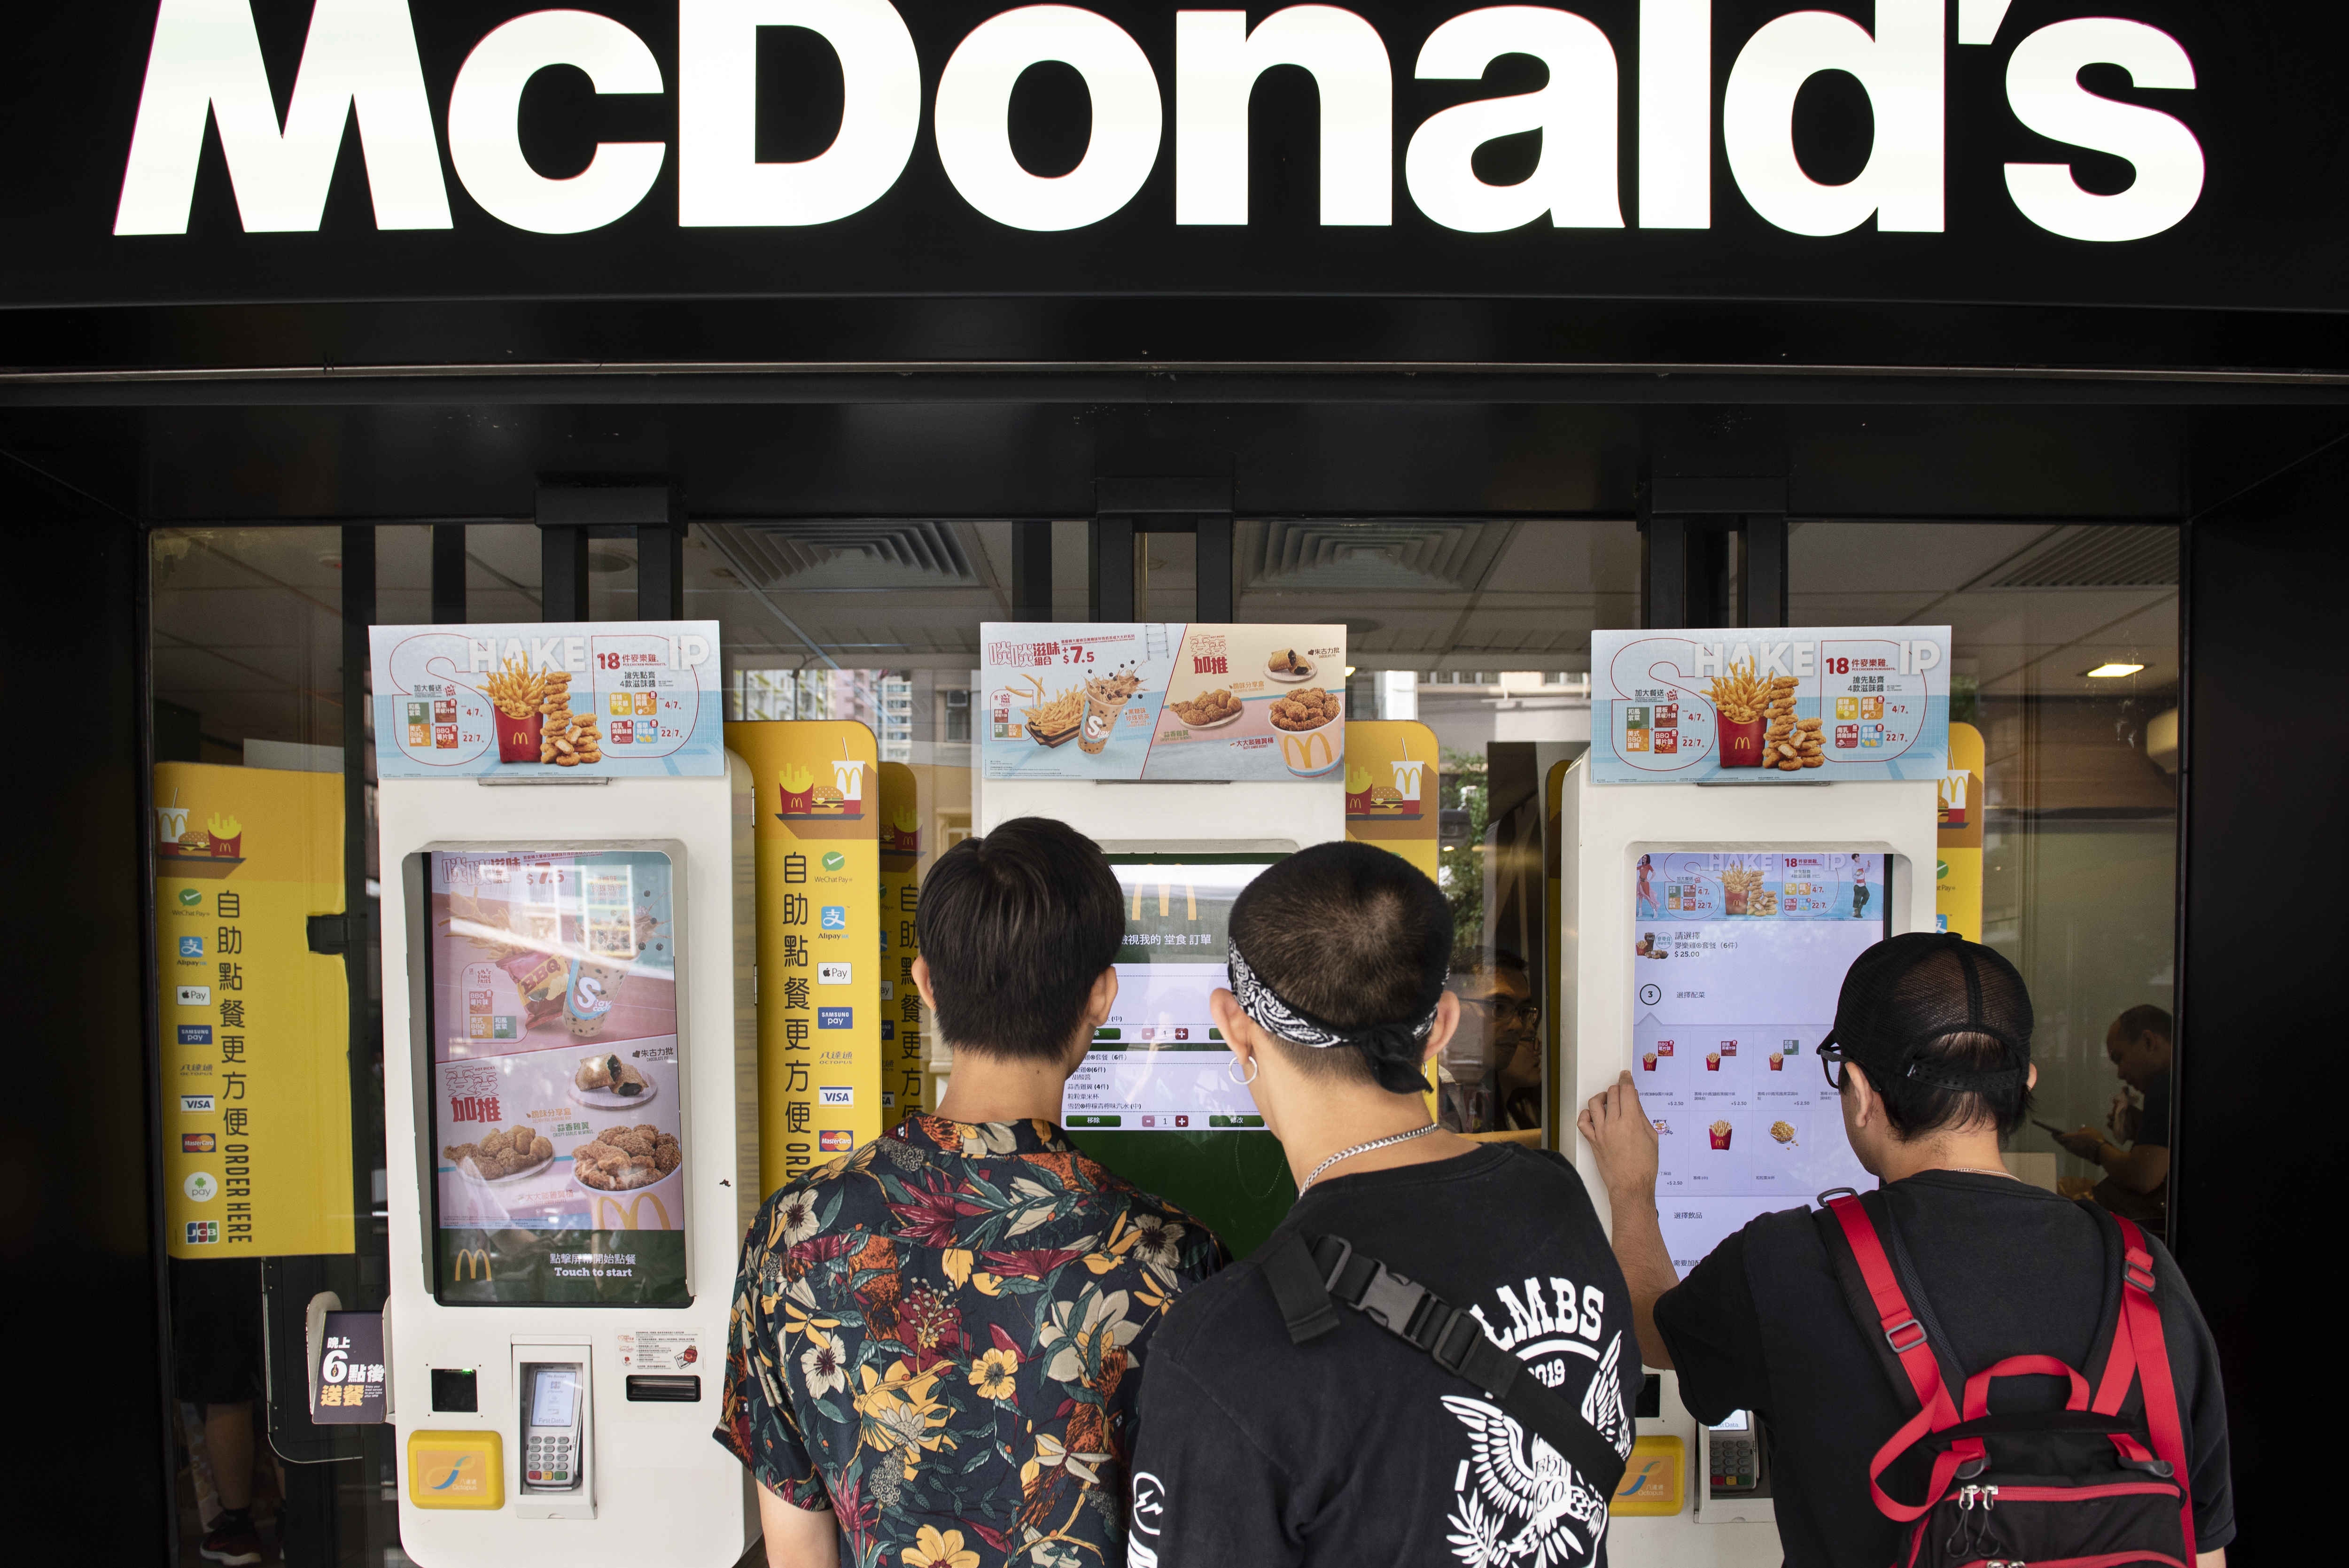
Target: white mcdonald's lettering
{"points": [[360, 61], [206, 61]]}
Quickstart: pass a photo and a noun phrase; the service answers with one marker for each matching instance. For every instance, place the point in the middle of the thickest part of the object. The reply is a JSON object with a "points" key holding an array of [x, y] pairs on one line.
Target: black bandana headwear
{"points": [[1278, 1016]]}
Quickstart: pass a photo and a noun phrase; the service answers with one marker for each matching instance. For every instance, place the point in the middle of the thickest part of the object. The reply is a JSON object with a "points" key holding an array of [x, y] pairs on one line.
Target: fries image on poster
{"points": [[1162, 700], [1739, 705], [625, 697], [557, 1096]]}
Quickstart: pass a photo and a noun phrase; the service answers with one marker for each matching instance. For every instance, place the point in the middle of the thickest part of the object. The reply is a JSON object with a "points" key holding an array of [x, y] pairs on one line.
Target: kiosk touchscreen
{"points": [[1153, 1100], [557, 1112], [1738, 962]]}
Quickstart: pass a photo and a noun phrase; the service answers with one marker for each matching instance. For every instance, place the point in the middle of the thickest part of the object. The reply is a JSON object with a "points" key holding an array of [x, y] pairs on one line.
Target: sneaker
{"points": [[231, 1539]]}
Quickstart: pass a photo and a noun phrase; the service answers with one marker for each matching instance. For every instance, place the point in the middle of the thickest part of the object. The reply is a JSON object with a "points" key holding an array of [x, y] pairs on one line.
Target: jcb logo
{"points": [[473, 1261]]}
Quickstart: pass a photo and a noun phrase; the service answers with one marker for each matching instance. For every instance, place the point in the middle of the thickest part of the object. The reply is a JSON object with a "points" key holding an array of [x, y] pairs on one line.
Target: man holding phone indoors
{"points": [[1932, 1058], [2136, 1178]]}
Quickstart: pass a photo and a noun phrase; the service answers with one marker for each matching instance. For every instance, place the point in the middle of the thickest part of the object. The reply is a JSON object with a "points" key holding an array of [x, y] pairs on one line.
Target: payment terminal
{"points": [[555, 1443]]}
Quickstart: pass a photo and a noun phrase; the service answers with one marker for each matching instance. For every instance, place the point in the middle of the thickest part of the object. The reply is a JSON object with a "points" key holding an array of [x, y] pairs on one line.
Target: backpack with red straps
{"points": [[2099, 1483]]}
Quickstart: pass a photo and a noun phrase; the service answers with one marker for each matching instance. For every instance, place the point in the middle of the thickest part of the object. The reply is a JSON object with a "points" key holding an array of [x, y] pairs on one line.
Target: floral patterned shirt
{"points": [[940, 1337]]}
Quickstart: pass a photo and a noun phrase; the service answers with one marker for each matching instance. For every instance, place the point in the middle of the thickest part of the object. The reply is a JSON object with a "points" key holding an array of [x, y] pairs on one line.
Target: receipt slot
{"points": [[1704, 930]]}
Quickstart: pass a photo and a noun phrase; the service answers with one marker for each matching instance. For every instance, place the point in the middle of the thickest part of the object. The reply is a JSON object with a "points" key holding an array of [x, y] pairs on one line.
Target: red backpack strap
{"points": [[1909, 1344], [2141, 1311]]}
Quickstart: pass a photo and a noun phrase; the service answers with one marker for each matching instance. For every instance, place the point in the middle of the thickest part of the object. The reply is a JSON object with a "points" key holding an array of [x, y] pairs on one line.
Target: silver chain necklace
{"points": [[1365, 1148]]}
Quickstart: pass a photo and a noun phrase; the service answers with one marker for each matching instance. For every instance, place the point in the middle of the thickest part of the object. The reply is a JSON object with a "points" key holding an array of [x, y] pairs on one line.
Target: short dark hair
{"points": [[2145, 1018], [1917, 1109], [1359, 938], [1016, 926]]}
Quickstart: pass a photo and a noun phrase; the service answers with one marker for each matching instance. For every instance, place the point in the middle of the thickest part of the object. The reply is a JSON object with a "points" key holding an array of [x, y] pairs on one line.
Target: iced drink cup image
{"points": [[1712, 1061], [1106, 698], [1719, 1130], [1648, 1062]]}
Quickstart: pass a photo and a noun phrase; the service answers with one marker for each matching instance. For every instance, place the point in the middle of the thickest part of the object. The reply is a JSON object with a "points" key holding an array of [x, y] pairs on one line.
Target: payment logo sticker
{"points": [[195, 1034], [832, 974], [834, 861], [196, 1105], [203, 1233], [835, 1143], [835, 917], [202, 1186], [196, 1142], [835, 1017], [195, 995], [888, 1029], [190, 898], [835, 1096], [192, 947]]}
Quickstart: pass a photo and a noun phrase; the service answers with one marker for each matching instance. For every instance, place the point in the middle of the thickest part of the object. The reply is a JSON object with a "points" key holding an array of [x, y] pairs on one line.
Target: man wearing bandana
{"points": [[1353, 1445]]}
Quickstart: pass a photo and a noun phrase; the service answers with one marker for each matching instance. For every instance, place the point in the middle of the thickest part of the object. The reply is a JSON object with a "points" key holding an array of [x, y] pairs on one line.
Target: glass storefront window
{"points": [[2064, 642]]}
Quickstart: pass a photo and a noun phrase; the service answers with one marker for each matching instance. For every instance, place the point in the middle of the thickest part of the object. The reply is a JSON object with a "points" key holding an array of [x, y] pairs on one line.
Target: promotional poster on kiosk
{"points": [[1164, 699], [1745, 705], [610, 699], [1736, 962], [556, 1102]]}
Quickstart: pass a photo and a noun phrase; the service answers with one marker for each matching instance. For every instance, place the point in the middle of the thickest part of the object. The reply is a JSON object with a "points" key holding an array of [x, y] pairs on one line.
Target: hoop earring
{"points": [[1254, 1068]]}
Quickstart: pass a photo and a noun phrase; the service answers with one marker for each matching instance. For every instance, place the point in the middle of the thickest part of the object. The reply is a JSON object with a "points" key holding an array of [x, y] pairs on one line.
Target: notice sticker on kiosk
{"points": [[556, 1101], [1738, 958]]}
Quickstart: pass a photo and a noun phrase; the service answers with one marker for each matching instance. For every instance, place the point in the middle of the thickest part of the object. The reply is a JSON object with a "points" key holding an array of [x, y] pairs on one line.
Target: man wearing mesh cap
{"points": [[1931, 1057]]}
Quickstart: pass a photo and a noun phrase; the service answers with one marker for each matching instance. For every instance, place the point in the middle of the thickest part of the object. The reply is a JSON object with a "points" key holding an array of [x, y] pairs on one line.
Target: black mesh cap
{"points": [[1908, 992]]}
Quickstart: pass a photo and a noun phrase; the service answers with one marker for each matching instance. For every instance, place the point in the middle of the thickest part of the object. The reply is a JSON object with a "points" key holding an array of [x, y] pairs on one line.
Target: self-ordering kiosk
{"points": [[564, 992], [1704, 932]]}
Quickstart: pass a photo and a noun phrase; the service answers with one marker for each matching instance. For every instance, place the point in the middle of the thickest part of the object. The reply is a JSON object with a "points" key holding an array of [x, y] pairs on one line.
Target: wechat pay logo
{"points": [[190, 898], [200, 1187], [834, 861]]}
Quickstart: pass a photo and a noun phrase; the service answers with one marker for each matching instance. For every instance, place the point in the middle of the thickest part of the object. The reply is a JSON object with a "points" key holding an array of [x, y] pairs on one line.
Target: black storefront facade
{"points": [[1719, 270]]}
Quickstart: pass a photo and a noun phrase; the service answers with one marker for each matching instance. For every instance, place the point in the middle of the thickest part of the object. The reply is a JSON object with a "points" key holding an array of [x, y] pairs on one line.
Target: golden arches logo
{"points": [[1309, 754], [630, 1216], [475, 1260]]}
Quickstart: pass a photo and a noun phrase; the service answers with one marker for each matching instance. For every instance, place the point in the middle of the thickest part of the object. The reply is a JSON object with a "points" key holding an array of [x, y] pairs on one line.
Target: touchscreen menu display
{"points": [[1157, 1064], [1737, 959], [557, 1121]]}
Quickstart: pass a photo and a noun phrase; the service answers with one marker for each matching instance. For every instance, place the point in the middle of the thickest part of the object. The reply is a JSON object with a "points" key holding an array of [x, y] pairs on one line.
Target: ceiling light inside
{"points": [[2109, 671]]}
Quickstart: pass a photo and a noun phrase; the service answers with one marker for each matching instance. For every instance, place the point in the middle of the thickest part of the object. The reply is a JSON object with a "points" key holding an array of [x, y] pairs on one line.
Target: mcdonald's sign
{"points": [[630, 1216], [1309, 756], [473, 1261]]}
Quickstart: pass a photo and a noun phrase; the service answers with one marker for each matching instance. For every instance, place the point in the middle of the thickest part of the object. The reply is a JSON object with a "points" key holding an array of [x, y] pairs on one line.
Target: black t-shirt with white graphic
{"points": [[1355, 1448], [1762, 1323]]}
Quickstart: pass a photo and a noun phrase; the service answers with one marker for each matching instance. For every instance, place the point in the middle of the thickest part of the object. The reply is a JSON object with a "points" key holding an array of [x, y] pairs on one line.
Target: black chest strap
{"points": [[1309, 1282]]}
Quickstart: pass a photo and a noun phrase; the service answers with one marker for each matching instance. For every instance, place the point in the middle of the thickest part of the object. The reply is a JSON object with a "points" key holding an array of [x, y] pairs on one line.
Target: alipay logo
{"points": [[192, 947], [835, 917]]}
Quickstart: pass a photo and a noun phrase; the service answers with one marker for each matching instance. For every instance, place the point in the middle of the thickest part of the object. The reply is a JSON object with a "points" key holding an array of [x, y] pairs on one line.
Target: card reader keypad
{"points": [[1736, 1461], [550, 1461]]}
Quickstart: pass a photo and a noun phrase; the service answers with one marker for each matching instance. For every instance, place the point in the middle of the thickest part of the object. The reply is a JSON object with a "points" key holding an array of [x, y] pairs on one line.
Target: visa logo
{"points": [[195, 1034], [835, 1017], [836, 1097], [196, 1105]]}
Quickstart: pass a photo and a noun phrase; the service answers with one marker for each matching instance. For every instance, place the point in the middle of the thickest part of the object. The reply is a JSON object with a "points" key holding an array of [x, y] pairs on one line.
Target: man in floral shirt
{"points": [[937, 1340]]}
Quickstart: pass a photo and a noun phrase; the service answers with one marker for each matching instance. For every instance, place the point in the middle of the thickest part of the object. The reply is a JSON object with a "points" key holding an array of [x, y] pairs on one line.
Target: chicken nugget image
{"points": [[594, 1176], [610, 1135], [634, 1143], [542, 1148], [646, 1131], [493, 1142], [667, 1157], [639, 1172]]}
